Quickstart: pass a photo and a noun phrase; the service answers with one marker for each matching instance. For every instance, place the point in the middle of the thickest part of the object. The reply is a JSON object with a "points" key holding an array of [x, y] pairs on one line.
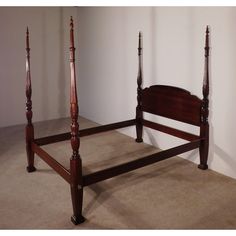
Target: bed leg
{"points": [[204, 147], [30, 154], [139, 127], [76, 190]]}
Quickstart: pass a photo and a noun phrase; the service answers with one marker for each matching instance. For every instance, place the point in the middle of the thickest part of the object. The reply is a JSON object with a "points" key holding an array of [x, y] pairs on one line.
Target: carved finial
{"points": [[140, 43], [27, 38], [71, 32], [28, 57], [207, 42], [205, 88], [71, 23], [139, 79], [72, 37]]}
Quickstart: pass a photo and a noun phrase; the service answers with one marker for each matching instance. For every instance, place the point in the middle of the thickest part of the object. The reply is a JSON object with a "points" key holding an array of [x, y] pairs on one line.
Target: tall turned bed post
{"points": [[204, 127], [75, 161], [29, 129], [139, 113]]}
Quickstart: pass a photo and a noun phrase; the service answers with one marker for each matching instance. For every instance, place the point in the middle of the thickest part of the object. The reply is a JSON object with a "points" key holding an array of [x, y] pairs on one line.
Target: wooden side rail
{"points": [[168, 130], [144, 161], [52, 139], [61, 170], [84, 132], [105, 128]]}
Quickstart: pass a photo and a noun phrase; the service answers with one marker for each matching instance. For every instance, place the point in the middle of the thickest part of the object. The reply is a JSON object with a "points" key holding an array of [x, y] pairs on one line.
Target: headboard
{"points": [[172, 102]]}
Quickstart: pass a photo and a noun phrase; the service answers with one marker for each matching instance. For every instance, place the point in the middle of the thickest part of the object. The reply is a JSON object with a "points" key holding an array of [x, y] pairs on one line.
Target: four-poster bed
{"points": [[167, 101]]}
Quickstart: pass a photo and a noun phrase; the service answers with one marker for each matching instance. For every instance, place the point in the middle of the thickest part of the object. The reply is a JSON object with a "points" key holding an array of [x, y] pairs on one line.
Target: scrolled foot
{"points": [[77, 219], [203, 166], [139, 140], [30, 169]]}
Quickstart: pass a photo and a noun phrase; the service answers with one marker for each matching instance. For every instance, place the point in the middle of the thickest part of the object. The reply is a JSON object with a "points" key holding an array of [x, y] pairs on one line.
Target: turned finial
{"points": [[27, 37], [139, 43], [28, 79], [71, 22], [205, 89], [139, 79], [71, 33]]}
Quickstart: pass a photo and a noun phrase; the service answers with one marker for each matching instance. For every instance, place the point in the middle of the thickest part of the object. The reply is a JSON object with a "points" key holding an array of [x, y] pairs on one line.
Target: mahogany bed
{"points": [[167, 101]]}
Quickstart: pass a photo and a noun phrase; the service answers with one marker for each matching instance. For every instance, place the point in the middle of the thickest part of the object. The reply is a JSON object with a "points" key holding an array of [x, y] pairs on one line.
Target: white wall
{"points": [[49, 42], [173, 54]]}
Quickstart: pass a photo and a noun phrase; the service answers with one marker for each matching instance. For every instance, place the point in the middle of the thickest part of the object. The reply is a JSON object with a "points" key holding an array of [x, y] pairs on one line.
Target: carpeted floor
{"points": [[173, 194]]}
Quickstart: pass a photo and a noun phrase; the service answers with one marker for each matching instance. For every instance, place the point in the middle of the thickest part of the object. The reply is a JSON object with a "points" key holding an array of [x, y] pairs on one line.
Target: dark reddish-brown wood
{"points": [[168, 130], [75, 161], [139, 113], [29, 129], [84, 132], [204, 127], [60, 169], [144, 161], [53, 139], [172, 102]]}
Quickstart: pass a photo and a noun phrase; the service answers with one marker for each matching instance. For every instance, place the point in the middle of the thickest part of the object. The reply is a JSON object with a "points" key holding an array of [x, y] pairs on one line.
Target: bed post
{"points": [[29, 129], [139, 113], [75, 161], [204, 127]]}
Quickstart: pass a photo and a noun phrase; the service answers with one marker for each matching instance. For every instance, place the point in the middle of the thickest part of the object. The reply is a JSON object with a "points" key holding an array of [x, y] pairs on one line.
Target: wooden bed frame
{"points": [[167, 101]]}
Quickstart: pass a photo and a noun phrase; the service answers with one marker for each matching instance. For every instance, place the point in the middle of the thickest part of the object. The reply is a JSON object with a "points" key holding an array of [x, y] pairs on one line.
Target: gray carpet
{"points": [[173, 194]]}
